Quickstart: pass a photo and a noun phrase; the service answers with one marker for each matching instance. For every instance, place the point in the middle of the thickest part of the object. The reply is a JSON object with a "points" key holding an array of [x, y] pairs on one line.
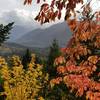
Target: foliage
{"points": [[4, 32], [53, 54], [26, 59], [79, 67], [49, 12], [20, 84]]}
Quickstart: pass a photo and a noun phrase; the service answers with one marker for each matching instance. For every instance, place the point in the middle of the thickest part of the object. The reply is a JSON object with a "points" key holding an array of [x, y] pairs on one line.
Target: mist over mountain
{"points": [[43, 37], [17, 32], [30, 33]]}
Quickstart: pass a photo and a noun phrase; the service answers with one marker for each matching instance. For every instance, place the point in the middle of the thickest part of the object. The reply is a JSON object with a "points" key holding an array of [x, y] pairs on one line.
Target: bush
{"points": [[20, 84]]}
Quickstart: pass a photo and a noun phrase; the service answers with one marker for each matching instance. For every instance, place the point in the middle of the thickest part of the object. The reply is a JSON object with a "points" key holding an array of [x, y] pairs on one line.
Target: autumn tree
{"points": [[21, 84], [5, 31], [81, 72]]}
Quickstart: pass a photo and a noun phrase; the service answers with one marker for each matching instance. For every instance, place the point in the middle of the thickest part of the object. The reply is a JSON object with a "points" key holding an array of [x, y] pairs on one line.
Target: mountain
{"points": [[43, 37], [38, 40], [17, 32]]}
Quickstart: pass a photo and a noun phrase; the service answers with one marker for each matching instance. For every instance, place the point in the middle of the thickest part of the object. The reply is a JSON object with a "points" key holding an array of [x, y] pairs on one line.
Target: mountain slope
{"points": [[44, 37], [17, 32]]}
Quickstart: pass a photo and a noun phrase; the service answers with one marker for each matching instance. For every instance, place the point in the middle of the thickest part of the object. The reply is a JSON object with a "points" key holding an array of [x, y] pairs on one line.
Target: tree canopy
{"points": [[5, 31]]}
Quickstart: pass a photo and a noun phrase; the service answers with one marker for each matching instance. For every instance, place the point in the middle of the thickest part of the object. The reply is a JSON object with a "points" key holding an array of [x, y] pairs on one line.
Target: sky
{"points": [[14, 10]]}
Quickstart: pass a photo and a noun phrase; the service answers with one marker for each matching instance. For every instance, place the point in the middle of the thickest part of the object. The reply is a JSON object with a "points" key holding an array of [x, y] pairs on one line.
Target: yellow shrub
{"points": [[20, 84]]}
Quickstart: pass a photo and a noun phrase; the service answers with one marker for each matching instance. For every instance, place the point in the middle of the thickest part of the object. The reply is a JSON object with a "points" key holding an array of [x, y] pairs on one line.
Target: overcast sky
{"points": [[14, 10]]}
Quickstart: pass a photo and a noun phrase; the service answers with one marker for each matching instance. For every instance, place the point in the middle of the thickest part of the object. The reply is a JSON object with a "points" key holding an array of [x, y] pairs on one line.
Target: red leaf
{"points": [[38, 1], [59, 15]]}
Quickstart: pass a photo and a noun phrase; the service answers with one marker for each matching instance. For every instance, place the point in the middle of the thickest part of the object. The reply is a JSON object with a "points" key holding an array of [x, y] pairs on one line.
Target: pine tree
{"points": [[53, 53], [5, 31], [26, 59]]}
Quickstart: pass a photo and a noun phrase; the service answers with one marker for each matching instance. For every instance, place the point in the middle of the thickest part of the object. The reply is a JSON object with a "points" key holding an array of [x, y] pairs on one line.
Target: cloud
{"points": [[20, 17], [14, 10], [8, 4], [23, 18]]}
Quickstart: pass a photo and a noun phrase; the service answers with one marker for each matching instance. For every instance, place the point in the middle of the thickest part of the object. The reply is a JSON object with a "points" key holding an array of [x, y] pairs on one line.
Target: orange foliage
{"points": [[48, 13], [80, 69]]}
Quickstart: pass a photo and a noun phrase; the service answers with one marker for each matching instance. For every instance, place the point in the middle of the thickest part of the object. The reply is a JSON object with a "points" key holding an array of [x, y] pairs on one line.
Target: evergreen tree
{"points": [[53, 53], [5, 31], [26, 59], [40, 60]]}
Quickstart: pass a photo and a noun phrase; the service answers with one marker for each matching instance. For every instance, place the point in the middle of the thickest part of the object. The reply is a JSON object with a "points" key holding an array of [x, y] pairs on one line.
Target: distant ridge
{"points": [[17, 32], [43, 37]]}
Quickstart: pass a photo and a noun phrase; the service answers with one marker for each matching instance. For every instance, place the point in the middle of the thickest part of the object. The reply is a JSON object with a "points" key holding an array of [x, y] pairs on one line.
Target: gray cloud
{"points": [[20, 17], [14, 10]]}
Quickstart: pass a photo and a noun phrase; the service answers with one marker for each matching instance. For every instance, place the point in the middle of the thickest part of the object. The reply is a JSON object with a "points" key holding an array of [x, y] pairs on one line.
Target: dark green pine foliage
{"points": [[5, 31], [26, 59], [53, 54], [40, 60]]}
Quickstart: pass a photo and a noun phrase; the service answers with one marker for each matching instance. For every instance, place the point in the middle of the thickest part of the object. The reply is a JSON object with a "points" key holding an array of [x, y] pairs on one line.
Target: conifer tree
{"points": [[5, 31], [53, 53], [26, 59]]}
